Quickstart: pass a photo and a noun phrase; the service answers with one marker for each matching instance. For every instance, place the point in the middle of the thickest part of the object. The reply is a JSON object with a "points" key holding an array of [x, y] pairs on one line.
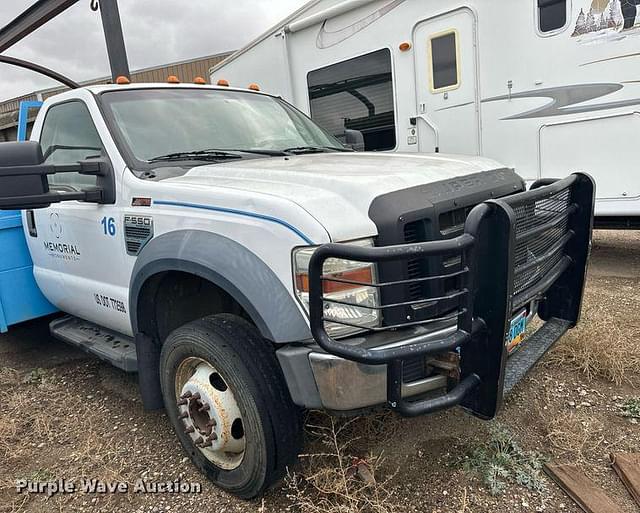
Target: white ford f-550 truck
{"points": [[248, 266]]}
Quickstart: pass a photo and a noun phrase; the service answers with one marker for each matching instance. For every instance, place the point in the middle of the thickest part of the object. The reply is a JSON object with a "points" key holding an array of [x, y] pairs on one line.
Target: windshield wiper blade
{"points": [[196, 155], [305, 149], [270, 153], [313, 149], [343, 148]]}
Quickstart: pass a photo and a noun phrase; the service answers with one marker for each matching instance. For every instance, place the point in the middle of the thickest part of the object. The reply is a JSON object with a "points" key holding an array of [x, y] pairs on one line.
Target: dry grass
{"points": [[602, 345], [31, 425], [9, 377], [335, 478], [575, 436]]}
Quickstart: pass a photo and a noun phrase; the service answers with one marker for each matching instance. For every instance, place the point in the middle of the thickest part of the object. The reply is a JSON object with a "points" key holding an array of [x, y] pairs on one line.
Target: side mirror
{"points": [[354, 139], [24, 183]]}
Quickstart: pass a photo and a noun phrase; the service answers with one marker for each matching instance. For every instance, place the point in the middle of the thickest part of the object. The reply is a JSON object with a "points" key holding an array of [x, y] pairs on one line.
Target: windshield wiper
{"points": [[299, 150], [196, 155], [305, 149], [269, 153]]}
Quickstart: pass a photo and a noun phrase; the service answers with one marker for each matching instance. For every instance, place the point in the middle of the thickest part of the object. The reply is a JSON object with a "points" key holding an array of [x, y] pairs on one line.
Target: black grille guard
{"points": [[529, 246]]}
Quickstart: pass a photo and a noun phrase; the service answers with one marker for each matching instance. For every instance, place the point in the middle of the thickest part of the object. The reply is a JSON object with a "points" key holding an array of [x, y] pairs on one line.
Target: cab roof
{"points": [[101, 88]]}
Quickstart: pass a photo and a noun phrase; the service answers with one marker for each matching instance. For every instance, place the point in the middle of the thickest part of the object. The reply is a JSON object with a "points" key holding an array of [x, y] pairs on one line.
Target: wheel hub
{"points": [[210, 414]]}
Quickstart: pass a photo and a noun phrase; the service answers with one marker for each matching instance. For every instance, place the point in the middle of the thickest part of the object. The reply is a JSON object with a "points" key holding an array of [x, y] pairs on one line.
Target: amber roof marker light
{"points": [[172, 79], [223, 83], [405, 47], [122, 80], [199, 81], [254, 87]]}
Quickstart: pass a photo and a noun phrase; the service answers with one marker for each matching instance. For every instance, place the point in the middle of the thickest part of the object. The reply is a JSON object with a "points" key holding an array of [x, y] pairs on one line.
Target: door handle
{"points": [[414, 121], [31, 223]]}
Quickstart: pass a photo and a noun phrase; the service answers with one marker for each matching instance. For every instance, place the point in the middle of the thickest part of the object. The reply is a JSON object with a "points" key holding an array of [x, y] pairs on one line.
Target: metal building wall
{"points": [[186, 71]]}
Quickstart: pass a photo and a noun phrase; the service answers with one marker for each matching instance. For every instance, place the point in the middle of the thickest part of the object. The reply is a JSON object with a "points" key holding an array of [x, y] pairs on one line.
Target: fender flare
{"points": [[230, 266]]}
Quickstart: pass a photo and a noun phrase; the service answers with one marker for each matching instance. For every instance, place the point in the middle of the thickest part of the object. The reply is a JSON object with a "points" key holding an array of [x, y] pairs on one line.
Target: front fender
{"points": [[230, 266]]}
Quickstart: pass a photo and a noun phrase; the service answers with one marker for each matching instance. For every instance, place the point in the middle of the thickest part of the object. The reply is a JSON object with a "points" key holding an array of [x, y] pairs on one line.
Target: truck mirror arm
{"points": [[96, 167], [36, 194]]}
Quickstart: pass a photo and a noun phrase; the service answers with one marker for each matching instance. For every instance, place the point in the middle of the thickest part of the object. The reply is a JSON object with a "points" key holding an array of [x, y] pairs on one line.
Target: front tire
{"points": [[228, 402]]}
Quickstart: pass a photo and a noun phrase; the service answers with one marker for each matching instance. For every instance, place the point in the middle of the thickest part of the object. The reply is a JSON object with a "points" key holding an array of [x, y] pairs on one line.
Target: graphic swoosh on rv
{"points": [[563, 100], [327, 39]]}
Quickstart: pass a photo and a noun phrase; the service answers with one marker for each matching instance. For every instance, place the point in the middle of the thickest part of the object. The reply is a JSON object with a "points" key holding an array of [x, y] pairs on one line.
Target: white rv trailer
{"points": [[545, 86]]}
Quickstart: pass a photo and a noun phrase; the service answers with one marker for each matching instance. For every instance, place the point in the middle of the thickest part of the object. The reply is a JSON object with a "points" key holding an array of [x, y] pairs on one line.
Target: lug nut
{"points": [[196, 396], [204, 407], [198, 440], [206, 444], [186, 395], [183, 402], [213, 437], [189, 430]]}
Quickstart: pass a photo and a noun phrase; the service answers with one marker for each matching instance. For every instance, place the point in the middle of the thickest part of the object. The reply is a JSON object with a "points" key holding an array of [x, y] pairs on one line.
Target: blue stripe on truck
{"points": [[239, 213]]}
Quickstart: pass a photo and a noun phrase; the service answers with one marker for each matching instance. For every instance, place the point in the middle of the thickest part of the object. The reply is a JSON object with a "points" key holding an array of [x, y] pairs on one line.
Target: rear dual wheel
{"points": [[229, 404]]}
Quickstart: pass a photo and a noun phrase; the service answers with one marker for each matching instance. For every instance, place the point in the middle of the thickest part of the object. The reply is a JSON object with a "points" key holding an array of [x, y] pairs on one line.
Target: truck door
{"points": [[446, 84], [77, 247]]}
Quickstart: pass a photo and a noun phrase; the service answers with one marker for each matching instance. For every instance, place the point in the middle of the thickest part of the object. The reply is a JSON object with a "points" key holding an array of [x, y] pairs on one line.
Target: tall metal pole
{"points": [[114, 38]]}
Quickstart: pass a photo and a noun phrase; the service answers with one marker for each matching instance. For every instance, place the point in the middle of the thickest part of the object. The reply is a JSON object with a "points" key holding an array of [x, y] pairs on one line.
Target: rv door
{"points": [[447, 111]]}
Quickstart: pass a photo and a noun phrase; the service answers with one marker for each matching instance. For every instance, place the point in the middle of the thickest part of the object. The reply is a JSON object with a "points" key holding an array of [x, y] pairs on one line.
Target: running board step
{"points": [[115, 348], [532, 350]]}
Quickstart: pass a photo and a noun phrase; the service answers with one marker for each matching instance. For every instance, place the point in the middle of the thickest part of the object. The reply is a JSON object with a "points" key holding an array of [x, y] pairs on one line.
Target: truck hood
{"points": [[335, 188]]}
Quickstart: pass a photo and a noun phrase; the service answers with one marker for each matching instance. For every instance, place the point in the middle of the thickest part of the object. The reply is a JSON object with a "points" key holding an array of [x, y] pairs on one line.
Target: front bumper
{"points": [[321, 380], [528, 247]]}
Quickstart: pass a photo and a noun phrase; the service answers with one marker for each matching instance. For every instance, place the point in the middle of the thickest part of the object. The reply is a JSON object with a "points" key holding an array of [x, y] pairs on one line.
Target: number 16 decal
{"points": [[109, 226]]}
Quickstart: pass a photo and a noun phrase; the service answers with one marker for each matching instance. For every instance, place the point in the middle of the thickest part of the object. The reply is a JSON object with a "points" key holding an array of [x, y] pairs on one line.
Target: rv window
{"points": [[552, 15], [353, 100], [443, 50]]}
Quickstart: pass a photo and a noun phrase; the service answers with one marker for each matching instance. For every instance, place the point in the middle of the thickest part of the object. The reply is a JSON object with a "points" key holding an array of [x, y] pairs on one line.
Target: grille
{"points": [[417, 231], [541, 228], [414, 369], [452, 222]]}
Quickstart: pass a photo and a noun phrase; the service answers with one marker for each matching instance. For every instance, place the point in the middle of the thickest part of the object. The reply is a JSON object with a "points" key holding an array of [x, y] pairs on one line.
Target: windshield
{"points": [[170, 123]]}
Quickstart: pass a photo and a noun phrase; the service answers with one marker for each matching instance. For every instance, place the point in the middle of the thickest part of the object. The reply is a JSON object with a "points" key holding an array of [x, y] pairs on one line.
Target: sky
{"points": [[156, 32]]}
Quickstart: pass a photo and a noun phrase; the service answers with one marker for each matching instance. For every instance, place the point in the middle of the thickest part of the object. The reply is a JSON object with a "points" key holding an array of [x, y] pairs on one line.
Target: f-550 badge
{"points": [[138, 230]]}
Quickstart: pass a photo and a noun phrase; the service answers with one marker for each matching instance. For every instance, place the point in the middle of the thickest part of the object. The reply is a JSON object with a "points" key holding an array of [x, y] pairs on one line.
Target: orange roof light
{"points": [[224, 83], [254, 87], [199, 81], [122, 80], [172, 79], [404, 47]]}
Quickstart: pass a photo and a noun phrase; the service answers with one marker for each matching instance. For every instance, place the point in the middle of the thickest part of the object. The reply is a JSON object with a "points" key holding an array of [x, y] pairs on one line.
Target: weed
{"points": [[39, 475], [501, 461], [35, 377], [631, 408], [333, 479]]}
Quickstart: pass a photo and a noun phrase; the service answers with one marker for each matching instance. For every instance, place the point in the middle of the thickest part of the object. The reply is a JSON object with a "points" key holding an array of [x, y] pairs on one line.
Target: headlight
{"points": [[362, 272]]}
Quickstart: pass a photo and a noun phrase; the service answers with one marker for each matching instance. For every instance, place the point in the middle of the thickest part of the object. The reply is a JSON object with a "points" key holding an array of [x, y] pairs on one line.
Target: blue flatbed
{"points": [[20, 297]]}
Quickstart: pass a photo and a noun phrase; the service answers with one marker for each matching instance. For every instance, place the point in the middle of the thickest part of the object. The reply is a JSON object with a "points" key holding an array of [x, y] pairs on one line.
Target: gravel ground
{"points": [[65, 415]]}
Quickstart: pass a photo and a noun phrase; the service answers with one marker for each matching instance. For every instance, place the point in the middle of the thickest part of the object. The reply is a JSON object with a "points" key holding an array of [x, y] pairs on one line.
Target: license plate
{"points": [[517, 331]]}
